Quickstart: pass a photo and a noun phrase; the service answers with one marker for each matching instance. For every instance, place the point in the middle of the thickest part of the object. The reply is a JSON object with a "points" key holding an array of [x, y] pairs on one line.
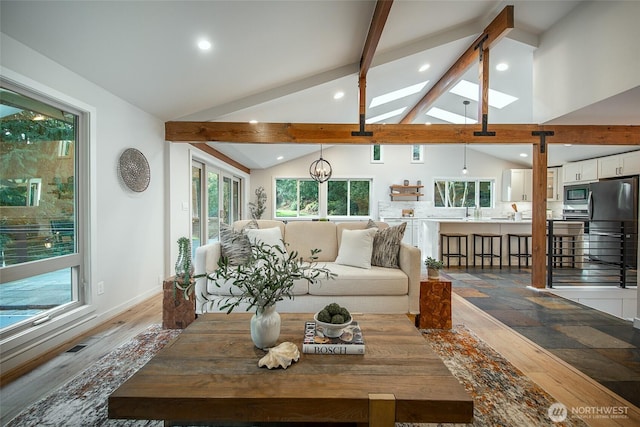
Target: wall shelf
{"points": [[406, 191]]}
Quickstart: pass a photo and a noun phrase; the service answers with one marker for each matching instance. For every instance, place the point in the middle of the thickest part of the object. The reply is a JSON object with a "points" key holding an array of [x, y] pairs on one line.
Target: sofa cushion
{"points": [[300, 287], [386, 245], [355, 248], [302, 236], [268, 236], [358, 281], [235, 244], [356, 225]]}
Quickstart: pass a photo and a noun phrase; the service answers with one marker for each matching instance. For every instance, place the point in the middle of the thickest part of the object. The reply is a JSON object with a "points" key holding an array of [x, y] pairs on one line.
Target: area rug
{"points": [[502, 395], [82, 401]]}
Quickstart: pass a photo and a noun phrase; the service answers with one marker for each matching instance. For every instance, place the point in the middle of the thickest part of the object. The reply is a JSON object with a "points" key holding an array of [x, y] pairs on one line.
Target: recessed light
{"points": [[424, 68], [503, 66], [253, 122], [279, 157], [204, 45], [567, 145], [427, 123], [338, 95], [524, 155]]}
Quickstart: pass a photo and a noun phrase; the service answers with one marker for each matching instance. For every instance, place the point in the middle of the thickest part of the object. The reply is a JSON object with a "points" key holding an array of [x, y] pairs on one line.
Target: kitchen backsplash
{"points": [[388, 209]]}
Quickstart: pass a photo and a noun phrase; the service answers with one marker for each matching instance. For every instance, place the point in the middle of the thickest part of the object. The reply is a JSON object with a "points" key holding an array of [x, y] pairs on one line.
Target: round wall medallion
{"points": [[134, 170]]}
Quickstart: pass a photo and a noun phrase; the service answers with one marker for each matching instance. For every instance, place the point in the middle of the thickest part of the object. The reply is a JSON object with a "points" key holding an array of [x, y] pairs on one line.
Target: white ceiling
{"points": [[282, 61]]}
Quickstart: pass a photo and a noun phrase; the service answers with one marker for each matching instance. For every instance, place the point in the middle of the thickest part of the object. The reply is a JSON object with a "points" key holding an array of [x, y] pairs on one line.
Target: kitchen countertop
{"points": [[480, 220]]}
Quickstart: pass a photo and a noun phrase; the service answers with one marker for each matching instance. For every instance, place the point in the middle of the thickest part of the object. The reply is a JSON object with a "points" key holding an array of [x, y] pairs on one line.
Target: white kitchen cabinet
{"points": [[586, 170], [555, 191], [517, 185], [619, 165]]}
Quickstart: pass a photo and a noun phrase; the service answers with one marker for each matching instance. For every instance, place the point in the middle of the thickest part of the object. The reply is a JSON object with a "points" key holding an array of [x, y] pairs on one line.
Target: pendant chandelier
{"points": [[464, 164], [320, 170]]}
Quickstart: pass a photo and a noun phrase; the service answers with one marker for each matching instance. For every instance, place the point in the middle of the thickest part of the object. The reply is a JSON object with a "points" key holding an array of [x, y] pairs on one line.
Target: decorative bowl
{"points": [[332, 330]]}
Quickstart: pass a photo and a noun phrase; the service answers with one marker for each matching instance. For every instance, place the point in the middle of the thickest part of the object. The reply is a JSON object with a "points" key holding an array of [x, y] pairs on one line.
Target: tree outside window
{"points": [[348, 197], [462, 193], [296, 197]]}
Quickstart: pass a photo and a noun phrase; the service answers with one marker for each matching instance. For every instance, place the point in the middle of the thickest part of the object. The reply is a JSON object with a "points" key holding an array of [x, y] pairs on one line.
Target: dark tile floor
{"points": [[602, 346]]}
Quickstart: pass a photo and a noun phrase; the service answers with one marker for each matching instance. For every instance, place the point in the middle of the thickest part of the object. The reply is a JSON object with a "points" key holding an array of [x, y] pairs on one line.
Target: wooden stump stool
{"points": [[177, 312], [435, 304]]}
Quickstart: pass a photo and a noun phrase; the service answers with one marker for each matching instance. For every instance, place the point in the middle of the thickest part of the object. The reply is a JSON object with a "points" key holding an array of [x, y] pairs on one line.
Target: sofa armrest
{"points": [[206, 261], [411, 263]]}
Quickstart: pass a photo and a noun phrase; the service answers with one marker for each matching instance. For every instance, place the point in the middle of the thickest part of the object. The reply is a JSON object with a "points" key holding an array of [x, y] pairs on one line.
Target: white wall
{"points": [[127, 230], [352, 161], [590, 55]]}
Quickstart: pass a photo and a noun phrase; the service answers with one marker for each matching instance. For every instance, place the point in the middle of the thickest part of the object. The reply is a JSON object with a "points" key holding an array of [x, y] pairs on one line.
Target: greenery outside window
{"points": [[349, 197], [41, 213], [296, 198], [456, 193]]}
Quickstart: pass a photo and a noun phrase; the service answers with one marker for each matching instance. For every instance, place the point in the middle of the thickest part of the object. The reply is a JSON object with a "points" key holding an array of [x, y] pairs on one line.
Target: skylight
{"points": [[397, 94], [384, 116], [448, 116], [470, 90]]}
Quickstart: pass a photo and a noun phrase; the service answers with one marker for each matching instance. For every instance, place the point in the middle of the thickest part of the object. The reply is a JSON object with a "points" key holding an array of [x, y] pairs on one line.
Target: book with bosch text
{"points": [[315, 342]]}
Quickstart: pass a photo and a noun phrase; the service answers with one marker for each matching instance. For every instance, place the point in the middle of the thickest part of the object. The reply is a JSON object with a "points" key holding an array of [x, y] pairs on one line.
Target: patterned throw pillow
{"points": [[235, 244], [386, 245]]}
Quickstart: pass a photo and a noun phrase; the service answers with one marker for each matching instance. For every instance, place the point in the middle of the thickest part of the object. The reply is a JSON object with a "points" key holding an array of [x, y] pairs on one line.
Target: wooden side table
{"points": [[435, 303], [177, 312]]}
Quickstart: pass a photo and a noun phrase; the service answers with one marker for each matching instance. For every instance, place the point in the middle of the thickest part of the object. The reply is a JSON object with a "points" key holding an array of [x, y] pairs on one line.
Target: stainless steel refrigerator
{"points": [[613, 215]]}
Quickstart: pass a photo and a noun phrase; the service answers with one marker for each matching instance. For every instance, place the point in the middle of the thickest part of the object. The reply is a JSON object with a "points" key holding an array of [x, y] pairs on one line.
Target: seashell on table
{"points": [[280, 356]]}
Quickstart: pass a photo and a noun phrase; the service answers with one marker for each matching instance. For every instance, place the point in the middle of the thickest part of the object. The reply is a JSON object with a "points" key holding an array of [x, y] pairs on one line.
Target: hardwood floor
{"points": [[562, 381]]}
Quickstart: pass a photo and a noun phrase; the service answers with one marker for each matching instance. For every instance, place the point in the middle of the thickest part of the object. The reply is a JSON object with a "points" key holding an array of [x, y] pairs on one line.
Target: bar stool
{"points": [[522, 240], [489, 239], [456, 251]]}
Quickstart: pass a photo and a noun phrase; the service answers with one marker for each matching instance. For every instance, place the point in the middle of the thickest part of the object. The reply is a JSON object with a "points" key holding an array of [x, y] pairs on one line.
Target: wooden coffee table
{"points": [[210, 373]]}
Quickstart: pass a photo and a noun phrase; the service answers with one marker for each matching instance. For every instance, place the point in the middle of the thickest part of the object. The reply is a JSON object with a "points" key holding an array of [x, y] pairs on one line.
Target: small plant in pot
{"points": [[433, 266]]}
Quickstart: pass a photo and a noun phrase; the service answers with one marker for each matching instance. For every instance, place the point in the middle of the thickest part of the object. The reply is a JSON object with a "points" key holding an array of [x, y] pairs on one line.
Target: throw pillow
{"points": [[355, 248], [234, 244], [268, 236], [386, 246]]}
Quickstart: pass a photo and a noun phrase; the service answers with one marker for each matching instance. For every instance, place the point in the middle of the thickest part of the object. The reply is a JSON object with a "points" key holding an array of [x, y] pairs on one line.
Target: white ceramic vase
{"points": [[265, 327]]}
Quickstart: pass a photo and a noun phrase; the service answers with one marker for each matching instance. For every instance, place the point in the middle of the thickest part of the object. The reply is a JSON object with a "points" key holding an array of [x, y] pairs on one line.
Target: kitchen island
{"points": [[432, 227]]}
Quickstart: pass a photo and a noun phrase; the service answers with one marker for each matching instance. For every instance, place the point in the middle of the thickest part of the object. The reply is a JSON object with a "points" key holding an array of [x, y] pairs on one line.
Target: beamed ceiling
{"points": [[280, 63]]}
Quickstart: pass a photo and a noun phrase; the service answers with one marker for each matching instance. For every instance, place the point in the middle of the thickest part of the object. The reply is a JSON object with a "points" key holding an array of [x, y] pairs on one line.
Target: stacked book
{"points": [[349, 342]]}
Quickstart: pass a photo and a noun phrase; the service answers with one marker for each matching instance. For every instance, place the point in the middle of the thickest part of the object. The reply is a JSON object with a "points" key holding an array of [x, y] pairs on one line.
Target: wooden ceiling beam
{"points": [[495, 31], [378, 21], [341, 134], [218, 155]]}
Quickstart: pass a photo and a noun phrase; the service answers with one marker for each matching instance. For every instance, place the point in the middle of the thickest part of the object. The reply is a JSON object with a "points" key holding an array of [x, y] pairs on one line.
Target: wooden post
{"points": [[382, 410]]}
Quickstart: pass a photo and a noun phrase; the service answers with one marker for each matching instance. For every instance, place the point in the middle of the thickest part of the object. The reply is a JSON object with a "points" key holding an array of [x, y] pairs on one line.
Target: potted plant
{"points": [[183, 280], [257, 209], [433, 266], [264, 279]]}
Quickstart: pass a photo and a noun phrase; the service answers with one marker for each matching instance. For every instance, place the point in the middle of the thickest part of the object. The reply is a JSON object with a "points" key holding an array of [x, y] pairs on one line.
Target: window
{"points": [[417, 154], [377, 154], [348, 197], [40, 214], [296, 198], [463, 193]]}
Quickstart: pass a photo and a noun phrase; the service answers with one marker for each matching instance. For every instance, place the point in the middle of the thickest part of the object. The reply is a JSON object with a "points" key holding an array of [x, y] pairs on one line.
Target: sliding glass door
{"points": [[216, 197]]}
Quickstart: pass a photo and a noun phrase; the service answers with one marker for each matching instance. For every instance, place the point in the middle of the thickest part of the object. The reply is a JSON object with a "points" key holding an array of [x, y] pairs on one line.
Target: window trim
{"points": [[59, 320]]}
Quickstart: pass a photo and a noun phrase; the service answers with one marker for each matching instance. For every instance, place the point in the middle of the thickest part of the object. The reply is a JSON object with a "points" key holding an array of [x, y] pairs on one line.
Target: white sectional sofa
{"points": [[368, 290]]}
